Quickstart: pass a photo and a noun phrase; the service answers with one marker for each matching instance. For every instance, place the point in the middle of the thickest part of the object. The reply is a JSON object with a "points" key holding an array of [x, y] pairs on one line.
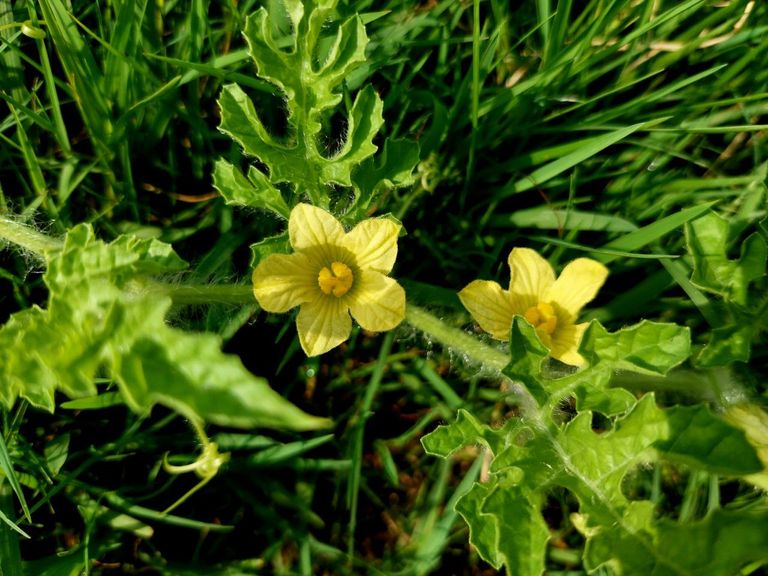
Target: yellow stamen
{"points": [[543, 317], [337, 280]]}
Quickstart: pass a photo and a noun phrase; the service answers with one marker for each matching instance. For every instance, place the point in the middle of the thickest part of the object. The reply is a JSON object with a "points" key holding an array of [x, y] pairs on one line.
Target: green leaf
{"points": [[527, 357], [321, 53], [646, 348], [86, 259], [591, 147], [278, 244], [506, 527], [708, 243], [727, 344], [240, 122], [708, 239], [391, 169], [548, 218], [255, 191], [533, 456], [701, 439], [720, 544], [84, 77], [101, 319], [189, 373], [466, 430], [365, 120], [648, 234]]}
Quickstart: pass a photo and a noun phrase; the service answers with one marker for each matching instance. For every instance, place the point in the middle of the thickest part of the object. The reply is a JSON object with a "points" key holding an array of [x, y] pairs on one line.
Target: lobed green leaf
{"points": [[720, 544], [506, 527], [309, 67], [101, 321], [708, 243]]}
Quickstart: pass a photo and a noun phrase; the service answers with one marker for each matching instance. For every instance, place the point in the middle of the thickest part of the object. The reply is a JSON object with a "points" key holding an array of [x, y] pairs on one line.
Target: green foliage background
{"points": [[150, 153]]}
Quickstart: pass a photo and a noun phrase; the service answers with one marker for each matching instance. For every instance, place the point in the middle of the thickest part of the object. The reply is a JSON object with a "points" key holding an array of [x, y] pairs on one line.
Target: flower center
{"points": [[543, 317], [336, 280]]}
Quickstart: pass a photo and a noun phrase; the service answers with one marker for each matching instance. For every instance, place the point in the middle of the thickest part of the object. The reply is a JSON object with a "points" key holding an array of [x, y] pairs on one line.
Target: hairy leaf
{"points": [[709, 238], [308, 60], [506, 527], [647, 348], [708, 243], [101, 321], [537, 453], [721, 544]]}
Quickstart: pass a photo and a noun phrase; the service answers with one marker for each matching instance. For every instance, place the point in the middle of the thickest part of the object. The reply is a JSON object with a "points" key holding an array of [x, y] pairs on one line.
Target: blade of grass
{"points": [[6, 466], [353, 486], [557, 167], [647, 234]]}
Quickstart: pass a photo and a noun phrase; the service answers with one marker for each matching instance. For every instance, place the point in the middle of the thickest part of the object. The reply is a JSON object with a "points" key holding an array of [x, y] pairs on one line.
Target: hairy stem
{"points": [[489, 358], [202, 293], [28, 238]]}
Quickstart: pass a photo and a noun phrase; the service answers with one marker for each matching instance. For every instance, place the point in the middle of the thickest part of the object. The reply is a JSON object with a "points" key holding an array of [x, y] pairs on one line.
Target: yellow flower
{"points": [[330, 274], [551, 306]]}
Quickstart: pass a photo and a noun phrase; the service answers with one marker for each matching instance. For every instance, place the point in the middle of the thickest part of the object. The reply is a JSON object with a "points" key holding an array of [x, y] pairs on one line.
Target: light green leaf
{"points": [[85, 259], [727, 344], [506, 527], [189, 373], [647, 348], [702, 439], [596, 463], [708, 241], [101, 321], [309, 63], [466, 430], [533, 457], [255, 191], [720, 544], [547, 218]]}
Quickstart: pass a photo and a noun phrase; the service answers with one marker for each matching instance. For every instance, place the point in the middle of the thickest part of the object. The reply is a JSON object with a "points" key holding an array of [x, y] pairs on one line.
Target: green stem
{"points": [[202, 293], [489, 358], [28, 238]]}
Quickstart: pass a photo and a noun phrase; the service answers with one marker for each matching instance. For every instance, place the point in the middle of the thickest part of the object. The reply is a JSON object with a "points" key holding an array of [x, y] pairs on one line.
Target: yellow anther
{"points": [[337, 280], [543, 317]]}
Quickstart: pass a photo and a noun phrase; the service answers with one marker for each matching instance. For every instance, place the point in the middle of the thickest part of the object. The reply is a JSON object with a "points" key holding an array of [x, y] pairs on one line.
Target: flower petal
{"points": [[282, 281], [578, 284], [565, 343], [490, 306], [378, 302], [530, 277], [323, 323], [374, 243], [312, 226]]}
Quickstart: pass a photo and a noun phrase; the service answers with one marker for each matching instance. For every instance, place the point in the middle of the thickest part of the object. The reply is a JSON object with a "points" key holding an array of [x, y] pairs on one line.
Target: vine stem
{"points": [[201, 293], [28, 238], [489, 359], [477, 352]]}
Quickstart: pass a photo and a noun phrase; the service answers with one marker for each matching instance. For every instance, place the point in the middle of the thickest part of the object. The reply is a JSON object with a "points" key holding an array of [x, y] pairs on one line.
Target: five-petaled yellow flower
{"points": [[551, 306], [330, 274]]}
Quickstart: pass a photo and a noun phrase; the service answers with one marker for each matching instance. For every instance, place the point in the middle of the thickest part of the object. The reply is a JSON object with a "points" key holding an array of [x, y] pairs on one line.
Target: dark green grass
{"points": [[570, 127]]}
